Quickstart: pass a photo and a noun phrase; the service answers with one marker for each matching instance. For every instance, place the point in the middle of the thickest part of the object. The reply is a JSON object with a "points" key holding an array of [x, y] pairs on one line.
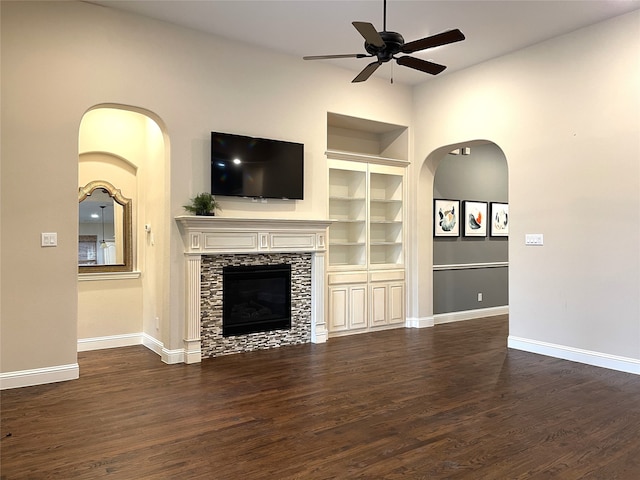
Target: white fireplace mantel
{"points": [[222, 235], [216, 235]]}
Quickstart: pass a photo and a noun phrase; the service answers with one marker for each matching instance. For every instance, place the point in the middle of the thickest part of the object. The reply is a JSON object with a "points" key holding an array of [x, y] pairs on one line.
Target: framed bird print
{"points": [[446, 218], [499, 219], [475, 219]]}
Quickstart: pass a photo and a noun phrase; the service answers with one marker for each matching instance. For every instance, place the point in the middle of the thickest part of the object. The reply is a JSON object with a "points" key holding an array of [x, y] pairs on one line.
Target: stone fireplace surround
{"points": [[213, 343], [251, 240]]}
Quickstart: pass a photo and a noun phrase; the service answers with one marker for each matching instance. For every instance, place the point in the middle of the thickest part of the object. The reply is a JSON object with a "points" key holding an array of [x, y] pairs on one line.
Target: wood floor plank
{"points": [[449, 402]]}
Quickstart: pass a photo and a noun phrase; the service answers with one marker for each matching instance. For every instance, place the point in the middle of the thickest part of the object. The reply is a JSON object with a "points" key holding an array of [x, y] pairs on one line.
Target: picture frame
{"points": [[499, 219], [446, 218], [475, 218]]}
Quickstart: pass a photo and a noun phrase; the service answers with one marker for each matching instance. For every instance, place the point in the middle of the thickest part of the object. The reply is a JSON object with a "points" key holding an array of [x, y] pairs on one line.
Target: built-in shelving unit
{"points": [[385, 217], [348, 212], [367, 161]]}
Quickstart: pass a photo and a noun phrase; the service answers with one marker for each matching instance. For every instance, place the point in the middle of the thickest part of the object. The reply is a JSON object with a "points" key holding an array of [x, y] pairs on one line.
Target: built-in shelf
{"points": [[367, 162], [364, 158], [359, 139], [347, 199]]}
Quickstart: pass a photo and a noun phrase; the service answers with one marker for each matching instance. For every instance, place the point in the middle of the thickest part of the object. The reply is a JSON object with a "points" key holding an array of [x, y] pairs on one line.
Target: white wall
{"points": [[567, 115], [59, 59]]}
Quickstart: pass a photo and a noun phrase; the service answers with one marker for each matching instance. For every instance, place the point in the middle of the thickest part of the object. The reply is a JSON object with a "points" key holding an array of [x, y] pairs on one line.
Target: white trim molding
{"points": [[152, 343], [469, 266], [39, 376], [596, 359], [423, 322], [126, 340], [173, 356], [167, 356], [364, 158], [441, 318], [102, 276], [111, 341]]}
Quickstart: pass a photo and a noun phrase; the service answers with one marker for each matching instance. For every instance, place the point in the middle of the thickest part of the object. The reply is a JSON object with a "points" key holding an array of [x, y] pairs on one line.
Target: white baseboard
{"points": [[125, 340], [39, 376], [441, 318], [597, 359], [152, 343], [112, 341], [173, 356], [62, 373], [422, 322], [320, 337]]}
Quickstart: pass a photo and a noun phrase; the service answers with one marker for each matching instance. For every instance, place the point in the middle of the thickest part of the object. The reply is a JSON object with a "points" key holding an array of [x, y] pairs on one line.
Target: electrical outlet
{"points": [[479, 297]]}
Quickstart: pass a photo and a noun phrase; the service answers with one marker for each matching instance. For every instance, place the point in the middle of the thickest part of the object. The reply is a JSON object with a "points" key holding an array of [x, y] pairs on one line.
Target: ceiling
{"points": [[313, 27]]}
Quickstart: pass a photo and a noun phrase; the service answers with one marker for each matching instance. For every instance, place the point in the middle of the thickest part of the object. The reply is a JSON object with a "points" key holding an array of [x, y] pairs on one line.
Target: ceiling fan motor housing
{"points": [[393, 43]]}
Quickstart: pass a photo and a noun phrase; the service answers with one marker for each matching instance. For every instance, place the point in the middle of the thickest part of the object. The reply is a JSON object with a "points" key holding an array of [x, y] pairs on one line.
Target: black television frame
{"points": [[270, 168]]}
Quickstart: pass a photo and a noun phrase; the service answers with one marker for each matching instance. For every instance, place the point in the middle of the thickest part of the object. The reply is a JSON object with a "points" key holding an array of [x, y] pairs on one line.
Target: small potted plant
{"points": [[203, 204]]}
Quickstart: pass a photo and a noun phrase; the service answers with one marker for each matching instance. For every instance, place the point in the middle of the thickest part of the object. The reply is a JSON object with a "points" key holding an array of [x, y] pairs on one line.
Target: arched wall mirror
{"points": [[105, 238]]}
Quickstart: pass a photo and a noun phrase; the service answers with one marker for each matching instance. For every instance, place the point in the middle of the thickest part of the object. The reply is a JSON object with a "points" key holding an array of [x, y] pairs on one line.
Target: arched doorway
{"points": [[127, 147], [460, 277], [470, 269]]}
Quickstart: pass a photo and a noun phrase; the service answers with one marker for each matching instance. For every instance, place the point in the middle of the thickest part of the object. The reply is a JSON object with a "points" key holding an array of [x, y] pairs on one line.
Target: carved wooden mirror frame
{"points": [[116, 194]]}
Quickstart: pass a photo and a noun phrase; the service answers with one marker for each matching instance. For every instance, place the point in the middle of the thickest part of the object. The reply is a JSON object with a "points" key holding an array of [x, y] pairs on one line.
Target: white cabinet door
{"points": [[387, 304], [347, 307], [379, 305], [396, 303], [358, 306], [338, 308]]}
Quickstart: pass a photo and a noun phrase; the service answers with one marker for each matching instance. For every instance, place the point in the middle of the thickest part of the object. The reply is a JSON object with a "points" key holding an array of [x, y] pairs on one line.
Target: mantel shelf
{"points": [[203, 235], [206, 223]]}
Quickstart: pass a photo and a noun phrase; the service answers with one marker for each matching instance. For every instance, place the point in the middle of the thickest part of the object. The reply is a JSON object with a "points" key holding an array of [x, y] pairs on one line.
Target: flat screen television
{"points": [[256, 167]]}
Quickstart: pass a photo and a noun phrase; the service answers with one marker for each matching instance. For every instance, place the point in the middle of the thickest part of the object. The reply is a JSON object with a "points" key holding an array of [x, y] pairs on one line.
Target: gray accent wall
{"points": [[480, 176]]}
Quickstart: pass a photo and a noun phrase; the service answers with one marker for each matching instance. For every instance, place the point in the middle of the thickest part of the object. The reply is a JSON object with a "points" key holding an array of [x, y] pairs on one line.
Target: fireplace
{"points": [[214, 243], [256, 298], [214, 341]]}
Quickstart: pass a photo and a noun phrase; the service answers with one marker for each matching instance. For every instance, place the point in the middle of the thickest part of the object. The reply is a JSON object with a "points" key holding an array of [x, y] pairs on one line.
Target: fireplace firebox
{"points": [[256, 298]]}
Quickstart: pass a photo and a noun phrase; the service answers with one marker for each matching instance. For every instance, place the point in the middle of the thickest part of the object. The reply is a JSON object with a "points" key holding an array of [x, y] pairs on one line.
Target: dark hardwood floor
{"points": [[446, 402]]}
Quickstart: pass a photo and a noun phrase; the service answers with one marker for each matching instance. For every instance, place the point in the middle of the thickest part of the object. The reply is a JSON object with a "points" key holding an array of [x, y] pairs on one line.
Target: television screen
{"points": [[256, 167]]}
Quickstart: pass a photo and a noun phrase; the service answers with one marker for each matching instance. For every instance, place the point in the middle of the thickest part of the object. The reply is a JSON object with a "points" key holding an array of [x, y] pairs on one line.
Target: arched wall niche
{"points": [[130, 145], [422, 279], [110, 158]]}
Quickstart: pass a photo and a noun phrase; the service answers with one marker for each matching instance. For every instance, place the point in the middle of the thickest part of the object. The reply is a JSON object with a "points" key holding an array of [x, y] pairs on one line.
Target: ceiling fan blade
{"points": [[436, 40], [366, 72], [422, 65], [369, 32], [326, 57]]}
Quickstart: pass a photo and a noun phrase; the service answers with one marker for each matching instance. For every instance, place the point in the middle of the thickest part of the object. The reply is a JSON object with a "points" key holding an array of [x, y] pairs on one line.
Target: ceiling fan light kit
{"points": [[385, 45]]}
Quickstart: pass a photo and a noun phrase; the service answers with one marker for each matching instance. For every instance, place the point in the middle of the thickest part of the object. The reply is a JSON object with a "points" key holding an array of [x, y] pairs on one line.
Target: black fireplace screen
{"points": [[256, 298]]}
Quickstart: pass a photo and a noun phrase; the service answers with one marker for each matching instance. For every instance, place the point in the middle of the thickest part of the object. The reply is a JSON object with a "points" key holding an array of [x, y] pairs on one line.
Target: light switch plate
{"points": [[49, 239], [534, 239]]}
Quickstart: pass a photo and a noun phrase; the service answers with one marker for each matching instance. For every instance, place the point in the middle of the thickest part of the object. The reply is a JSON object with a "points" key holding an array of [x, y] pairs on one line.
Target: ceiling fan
{"points": [[386, 45]]}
